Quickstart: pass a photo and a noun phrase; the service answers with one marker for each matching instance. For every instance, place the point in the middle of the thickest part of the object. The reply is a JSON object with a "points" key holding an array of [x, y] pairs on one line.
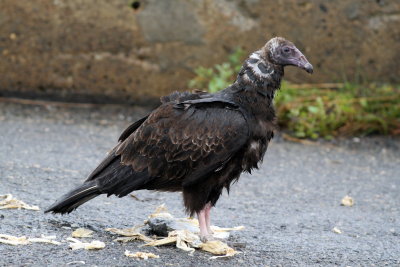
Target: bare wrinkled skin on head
{"points": [[265, 67], [282, 52]]}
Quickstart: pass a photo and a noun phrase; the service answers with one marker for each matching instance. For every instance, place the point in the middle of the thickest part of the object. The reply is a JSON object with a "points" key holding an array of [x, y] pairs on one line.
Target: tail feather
{"points": [[113, 179], [75, 198]]}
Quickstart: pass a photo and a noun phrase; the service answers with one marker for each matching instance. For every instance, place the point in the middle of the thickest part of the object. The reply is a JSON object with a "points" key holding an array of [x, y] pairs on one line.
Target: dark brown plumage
{"points": [[197, 143]]}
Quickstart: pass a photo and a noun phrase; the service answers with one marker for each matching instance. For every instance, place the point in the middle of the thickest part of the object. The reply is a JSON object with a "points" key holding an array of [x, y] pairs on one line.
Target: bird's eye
{"points": [[286, 50]]}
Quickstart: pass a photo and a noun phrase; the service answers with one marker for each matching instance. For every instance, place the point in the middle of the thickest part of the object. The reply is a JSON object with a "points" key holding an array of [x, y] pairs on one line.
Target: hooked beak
{"points": [[299, 60], [308, 67]]}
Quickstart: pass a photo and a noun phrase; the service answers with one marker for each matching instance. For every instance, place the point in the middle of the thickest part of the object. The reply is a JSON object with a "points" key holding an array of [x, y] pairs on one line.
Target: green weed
{"points": [[220, 76], [347, 111], [312, 112]]}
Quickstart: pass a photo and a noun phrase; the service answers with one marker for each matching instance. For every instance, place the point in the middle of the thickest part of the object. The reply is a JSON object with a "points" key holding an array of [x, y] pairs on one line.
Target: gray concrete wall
{"points": [[108, 51]]}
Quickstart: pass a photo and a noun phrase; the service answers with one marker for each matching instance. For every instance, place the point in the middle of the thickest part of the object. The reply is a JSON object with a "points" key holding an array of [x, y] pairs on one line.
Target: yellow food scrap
{"points": [[183, 239], [76, 244], [160, 242], [141, 255], [218, 248], [161, 211], [129, 234], [82, 232], [8, 202], [188, 241], [347, 201]]}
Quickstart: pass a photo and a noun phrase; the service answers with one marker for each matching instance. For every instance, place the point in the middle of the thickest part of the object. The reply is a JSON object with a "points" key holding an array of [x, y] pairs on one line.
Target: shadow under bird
{"points": [[197, 143]]}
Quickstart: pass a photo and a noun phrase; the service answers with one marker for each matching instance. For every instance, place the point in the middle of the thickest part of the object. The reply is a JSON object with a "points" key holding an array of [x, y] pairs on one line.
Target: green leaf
{"points": [[313, 109], [353, 109]]}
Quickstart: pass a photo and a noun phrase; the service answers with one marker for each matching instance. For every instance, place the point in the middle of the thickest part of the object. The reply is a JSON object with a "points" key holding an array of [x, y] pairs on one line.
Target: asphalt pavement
{"points": [[288, 207]]}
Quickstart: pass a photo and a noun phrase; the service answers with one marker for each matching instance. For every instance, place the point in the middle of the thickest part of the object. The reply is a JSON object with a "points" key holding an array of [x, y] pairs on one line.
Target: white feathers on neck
{"points": [[254, 66], [273, 45], [255, 55]]}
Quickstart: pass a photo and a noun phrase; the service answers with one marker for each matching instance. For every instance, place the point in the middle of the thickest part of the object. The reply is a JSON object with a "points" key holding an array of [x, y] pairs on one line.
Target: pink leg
{"points": [[201, 215], [207, 209], [206, 234]]}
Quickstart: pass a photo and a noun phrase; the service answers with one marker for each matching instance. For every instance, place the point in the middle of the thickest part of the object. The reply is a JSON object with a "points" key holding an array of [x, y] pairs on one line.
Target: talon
{"points": [[207, 238]]}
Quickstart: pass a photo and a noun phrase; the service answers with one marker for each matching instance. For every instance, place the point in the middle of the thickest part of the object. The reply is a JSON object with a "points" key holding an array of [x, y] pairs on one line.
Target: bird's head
{"points": [[280, 51], [265, 67]]}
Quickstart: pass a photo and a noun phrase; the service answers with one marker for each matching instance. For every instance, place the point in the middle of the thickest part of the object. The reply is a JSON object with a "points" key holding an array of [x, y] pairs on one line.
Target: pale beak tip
{"points": [[309, 68]]}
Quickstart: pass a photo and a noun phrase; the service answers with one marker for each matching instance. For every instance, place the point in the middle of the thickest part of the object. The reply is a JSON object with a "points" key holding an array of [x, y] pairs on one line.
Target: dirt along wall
{"points": [[124, 50]]}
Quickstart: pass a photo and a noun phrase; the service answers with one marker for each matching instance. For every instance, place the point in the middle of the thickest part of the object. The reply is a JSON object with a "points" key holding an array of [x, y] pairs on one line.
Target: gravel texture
{"points": [[288, 207]]}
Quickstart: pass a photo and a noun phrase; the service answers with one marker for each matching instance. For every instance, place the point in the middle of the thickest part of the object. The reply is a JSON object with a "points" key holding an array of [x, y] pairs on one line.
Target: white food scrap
{"points": [[7, 201], [141, 255], [223, 233], [347, 201], [76, 244], [45, 239], [82, 232], [186, 240], [13, 240], [221, 229], [23, 240], [336, 230]]}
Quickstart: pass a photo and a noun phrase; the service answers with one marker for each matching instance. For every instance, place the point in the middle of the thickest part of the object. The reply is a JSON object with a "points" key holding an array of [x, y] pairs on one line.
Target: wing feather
{"points": [[111, 155], [184, 144]]}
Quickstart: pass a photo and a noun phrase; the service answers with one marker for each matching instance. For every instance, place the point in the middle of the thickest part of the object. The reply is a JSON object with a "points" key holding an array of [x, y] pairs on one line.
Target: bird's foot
{"points": [[206, 238], [210, 237]]}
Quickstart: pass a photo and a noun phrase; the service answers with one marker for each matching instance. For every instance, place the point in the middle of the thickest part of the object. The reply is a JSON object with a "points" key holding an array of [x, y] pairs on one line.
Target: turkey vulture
{"points": [[197, 143]]}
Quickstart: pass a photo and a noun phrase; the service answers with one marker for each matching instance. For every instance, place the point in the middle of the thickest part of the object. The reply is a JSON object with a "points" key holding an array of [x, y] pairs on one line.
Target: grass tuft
{"points": [[346, 111], [322, 110]]}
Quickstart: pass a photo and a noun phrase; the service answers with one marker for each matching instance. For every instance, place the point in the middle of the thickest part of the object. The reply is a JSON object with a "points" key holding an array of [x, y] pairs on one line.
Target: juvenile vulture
{"points": [[196, 143]]}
